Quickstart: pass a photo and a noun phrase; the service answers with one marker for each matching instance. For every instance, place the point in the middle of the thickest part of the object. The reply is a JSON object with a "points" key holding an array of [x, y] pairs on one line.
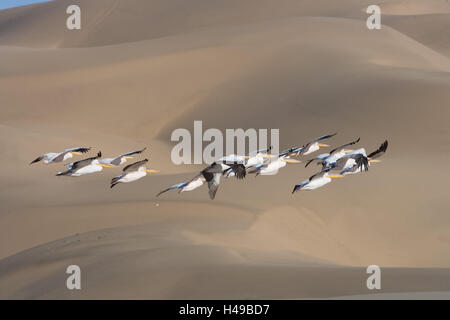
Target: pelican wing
{"points": [[290, 151], [212, 176], [264, 151], [37, 159], [318, 175], [116, 180], [117, 160], [60, 156], [361, 162], [238, 169], [344, 145], [213, 168], [79, 149], [213, 185], [176, 186], [379, 152], [135, 166], [42, 157], [85, 162], [324, 137]]}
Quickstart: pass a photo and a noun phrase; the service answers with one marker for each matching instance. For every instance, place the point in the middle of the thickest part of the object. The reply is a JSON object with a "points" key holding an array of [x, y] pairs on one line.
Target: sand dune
{"points": [[140, 69]]}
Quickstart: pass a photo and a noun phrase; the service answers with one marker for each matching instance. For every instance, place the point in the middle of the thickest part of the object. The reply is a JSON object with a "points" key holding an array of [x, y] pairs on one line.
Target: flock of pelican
{"points": [[339, 162], [130, 173]]}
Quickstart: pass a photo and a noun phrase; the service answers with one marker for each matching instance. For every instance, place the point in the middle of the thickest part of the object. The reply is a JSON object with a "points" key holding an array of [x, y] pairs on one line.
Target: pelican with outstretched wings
{"points": [[371, 158], [327, 160], [133, 172], [316, 181], [194, 183], [117, 161], [82, 167], [308, 148], [54, 157]]}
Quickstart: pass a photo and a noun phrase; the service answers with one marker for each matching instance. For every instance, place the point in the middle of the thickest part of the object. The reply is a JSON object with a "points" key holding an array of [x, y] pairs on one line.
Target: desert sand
{"points": [[137, 70]]}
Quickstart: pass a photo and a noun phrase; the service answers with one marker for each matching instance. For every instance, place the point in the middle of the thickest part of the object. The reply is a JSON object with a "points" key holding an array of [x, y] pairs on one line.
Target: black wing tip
{"points": [[384, 145], [295, 188]]}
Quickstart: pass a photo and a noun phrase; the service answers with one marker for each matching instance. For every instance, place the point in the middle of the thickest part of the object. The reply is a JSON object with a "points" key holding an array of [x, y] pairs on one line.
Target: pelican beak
{"points": [[374, 161], [268, 156], [151, 171], [347, 151], [77, 153], [291, 161], [128, 157], [105, 165], [322, 145], [335, 176]]}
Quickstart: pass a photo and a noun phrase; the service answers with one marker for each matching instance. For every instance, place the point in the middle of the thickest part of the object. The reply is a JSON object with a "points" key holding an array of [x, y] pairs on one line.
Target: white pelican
{"points": [[133, 172], [194, 183], [85, 166], [357, 159], [252, 162], [53, 157], [308, 148], [271, 167], [211, 174], [258, 157], [316, 181], [371, 158], [329, 159], [117, 161]]}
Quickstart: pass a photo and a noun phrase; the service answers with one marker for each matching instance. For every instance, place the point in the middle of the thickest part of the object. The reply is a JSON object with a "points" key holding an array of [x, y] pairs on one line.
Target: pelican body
{"points": [[82, 167], [121, 159], [371, 158], [132, 172], [271, 167], [328, 160], [316, 181]]}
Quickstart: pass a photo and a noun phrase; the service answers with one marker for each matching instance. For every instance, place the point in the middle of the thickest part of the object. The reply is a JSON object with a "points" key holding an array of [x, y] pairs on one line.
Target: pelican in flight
{"points": [[316, 181], [253, 161], [327, 160], [371, 158], [357, 158], [133, 172], [308, 148], [212, 174], [117, 161], [271, 167], [258, 157], [53, 157], [194, 183], [85, 166]]}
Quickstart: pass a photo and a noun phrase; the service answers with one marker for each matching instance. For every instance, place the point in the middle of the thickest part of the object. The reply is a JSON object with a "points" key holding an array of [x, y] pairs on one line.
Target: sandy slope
{"points": [[305, 67]]}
